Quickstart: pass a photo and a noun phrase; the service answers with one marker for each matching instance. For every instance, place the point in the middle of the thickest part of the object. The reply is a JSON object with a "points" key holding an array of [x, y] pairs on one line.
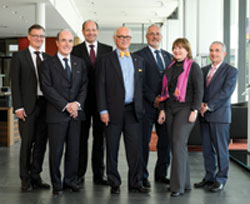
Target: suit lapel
{"points": [[151, 57], [60, 68], [30, 61], [85, 53], [136, 70], [217, 73], [117, 67], [74, 65]]}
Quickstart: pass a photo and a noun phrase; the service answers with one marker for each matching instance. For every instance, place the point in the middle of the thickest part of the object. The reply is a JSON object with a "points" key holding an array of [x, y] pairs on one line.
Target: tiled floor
{"points": [[237, 189]]}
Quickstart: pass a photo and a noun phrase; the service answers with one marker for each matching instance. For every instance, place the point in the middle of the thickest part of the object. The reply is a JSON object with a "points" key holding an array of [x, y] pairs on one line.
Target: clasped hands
{"points": [[72, 109]]}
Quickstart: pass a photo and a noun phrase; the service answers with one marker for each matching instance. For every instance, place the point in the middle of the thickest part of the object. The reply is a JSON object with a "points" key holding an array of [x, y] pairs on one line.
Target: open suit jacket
{"points": [[218, 93], [24, 81], [59, 90], [110, 87]]}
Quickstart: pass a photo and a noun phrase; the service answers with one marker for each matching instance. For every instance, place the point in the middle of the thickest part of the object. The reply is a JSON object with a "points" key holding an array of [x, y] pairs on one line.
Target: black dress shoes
{"points": [[203, 183], [57, 192], [162, 180], [40, 185], [141, 189], [115, 190], [26, 186], [176, 194], [71, 187], [146, 183], [101, 181], [216, 187], [80, 182]]}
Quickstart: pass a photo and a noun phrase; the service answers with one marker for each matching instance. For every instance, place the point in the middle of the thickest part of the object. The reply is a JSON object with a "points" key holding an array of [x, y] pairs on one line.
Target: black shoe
{"points": [[176, 194], [203, 183], [101, 182], [162, 180], [26, 186], [146, 183], [216, 187], [115, 190], [80, 182], [57, 192], [40, 185], [71, 187], [141, 189]]}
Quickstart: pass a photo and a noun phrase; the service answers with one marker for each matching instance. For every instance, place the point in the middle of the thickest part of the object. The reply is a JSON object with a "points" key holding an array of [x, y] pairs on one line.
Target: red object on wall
{"points": [[50, 45]]}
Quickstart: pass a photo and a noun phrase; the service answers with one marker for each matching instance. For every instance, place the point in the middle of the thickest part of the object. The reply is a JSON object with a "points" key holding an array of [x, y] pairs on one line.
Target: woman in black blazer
{"points": [[181, 97]]}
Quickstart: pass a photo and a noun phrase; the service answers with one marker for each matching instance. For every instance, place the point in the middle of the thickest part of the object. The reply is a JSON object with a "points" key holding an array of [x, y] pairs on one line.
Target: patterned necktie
{"points": [[67, 68], [159, 61], [211, 74], [122, 54], [92, 55]]}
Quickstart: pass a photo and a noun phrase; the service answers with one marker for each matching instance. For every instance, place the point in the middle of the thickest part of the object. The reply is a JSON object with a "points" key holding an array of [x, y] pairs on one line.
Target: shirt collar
{"points": [[61, 57], [32, 50], [153, 49], [88, 44]]}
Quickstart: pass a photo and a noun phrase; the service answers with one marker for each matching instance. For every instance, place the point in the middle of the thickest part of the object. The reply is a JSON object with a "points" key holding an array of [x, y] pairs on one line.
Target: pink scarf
{"points": [[181, 87]]}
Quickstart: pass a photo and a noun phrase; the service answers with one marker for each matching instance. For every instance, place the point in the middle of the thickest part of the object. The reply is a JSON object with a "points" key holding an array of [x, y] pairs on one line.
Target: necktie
{"points": [[67, 68], [159, 61], [92, 55], [122, 54], [38, 60], [211, 74]]}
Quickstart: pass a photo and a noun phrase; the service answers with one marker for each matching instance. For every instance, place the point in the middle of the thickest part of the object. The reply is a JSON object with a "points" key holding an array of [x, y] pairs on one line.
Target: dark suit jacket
{"points": [[152, 76], [24, 81], [82, 52], [59, 90], [218, 93], [110, 87]]}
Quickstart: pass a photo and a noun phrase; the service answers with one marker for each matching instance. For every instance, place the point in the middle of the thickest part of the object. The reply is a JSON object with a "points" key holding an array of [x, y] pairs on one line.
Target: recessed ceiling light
{"points": [[4, 6], [14, 12], [22, 17]]}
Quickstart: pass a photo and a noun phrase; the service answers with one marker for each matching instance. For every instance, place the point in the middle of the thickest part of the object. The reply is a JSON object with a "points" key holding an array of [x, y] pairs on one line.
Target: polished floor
{"points": [[237, 189]]}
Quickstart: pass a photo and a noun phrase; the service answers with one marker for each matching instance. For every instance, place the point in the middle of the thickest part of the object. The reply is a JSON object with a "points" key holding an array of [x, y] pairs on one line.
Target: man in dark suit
{"points": [[64, 84], [156, 61], [29, 107], [119, 87], [220, 81], [90, 51]]}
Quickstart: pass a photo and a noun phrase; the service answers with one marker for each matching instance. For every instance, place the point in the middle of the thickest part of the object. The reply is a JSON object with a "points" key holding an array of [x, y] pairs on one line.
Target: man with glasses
{"points": [[90, 51], [156, 61], [29, 107], [119, 86]]}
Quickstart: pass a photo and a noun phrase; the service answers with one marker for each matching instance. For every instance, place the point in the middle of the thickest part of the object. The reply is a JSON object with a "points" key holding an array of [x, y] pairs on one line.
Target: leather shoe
{"points": [[57, 192], [216, 187], [146, 183], [176, 194], [71, 187], [80, 182], [162, 180], [203, 183], [101, 182], [26, 186], [115, 190], [40, 185], [141, 189]]}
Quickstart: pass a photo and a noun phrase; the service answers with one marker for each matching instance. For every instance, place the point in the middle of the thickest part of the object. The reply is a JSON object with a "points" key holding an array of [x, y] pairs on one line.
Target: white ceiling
{"points": [[20, 14]]}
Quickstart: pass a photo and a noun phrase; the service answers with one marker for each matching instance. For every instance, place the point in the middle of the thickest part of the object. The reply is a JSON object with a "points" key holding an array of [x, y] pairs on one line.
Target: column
{"points": [[40, 17]]}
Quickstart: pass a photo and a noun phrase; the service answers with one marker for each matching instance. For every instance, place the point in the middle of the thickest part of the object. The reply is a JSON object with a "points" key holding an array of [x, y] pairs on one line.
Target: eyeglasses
{"points": [[37, 36], [124, 37], [154, 34]]}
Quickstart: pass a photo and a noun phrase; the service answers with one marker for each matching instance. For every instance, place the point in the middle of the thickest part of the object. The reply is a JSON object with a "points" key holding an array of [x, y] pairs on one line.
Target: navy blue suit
{"points": [[152, 89], [216, 121]]}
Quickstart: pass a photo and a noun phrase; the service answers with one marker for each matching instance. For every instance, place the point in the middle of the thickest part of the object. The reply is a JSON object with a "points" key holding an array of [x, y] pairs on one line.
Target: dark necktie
{"points": [[38, 60], [159, 61], [67, 68], [92, 55]]}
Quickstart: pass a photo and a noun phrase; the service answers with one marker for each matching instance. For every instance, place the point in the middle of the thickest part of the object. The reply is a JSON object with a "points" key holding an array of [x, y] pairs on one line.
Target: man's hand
{"points": [[105, 118], [21, 114], [157, 102], [72, 108], [161, 117], [192, 116], [203, 109]]}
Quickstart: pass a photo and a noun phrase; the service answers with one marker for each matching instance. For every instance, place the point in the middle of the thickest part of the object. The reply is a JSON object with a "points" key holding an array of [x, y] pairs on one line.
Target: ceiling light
{"points": [[4, 6], [22, 17], [14, 12]]}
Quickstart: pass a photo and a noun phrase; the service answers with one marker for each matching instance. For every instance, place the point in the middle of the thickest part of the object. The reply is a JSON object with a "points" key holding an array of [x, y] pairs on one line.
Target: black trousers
{"points": [[33, 133], [64, 134], [131, 130], [92, 116]]}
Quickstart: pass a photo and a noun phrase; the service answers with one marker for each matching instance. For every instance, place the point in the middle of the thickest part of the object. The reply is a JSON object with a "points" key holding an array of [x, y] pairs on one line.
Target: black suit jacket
{"points": [[59, 90], [24, 81], [110, 87], [153, 77], [82, 52]]}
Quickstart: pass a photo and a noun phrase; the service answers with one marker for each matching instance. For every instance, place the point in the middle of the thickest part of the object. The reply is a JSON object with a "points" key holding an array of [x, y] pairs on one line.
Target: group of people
{"points": [[88, 85]]}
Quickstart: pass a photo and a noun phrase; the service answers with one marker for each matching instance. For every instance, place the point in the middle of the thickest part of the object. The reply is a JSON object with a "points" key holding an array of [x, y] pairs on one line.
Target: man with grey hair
{"points": [[119, 87], [64, 84], [219, 83], [156, 60], [90, 51]]}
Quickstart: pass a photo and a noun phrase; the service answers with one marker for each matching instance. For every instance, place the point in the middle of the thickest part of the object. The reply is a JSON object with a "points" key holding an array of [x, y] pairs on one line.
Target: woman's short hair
{"points": [[183, 42]]}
